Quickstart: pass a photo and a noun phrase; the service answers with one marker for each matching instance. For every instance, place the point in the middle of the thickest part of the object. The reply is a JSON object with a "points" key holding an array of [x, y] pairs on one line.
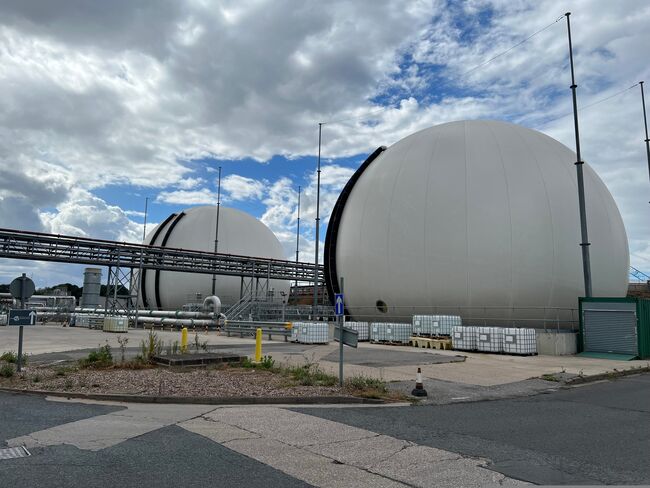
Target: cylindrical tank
{"points": [[476, 218], [194, 229], [91, 289]]}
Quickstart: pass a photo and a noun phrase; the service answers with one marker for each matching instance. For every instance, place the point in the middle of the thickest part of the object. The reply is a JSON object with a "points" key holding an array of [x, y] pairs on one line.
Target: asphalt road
{"points": [[597, 433], [167, 457]]}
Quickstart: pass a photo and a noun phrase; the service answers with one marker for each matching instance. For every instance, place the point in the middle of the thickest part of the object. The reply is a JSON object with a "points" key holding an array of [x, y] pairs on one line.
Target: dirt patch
{"points": [[159, 381]]}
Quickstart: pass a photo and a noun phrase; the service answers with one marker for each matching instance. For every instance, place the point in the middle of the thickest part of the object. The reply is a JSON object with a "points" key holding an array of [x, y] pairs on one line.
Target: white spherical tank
{"points": [[194, 229], [477, 218]]}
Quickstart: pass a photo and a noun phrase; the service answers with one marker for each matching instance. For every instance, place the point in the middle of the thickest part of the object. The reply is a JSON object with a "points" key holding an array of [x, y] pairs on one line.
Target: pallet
{"points": [[390, 343], [430, 336], [425, 343]]}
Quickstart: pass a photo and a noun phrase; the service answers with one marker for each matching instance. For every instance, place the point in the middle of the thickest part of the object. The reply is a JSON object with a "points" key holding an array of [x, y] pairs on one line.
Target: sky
{"points": [[105, 104]]}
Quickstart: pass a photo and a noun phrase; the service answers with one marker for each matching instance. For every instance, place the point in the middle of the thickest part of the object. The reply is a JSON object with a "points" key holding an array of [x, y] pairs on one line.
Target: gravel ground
{"points": [[206, 382]]}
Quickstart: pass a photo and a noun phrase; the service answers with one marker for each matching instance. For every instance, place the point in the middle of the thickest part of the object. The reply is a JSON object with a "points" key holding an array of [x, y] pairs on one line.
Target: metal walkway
{"points": [[37, 246]]}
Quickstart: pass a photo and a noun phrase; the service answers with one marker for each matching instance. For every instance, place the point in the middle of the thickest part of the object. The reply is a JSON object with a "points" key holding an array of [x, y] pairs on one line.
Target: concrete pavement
{"points": [[592, 434], [390, 363], [290, 447]]}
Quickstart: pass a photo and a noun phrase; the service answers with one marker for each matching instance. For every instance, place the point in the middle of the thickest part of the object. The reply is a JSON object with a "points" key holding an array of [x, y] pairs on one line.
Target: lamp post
{"points": [[298, 235], [586, 265]]}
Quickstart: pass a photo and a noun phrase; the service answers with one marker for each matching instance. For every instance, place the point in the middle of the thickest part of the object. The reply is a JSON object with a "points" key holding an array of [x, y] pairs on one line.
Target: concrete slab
{"points": [[413, 467], [306, 466], [216, 431], [291, 428], [334, 454], [54, 338], [362, 453], [368, 356]]}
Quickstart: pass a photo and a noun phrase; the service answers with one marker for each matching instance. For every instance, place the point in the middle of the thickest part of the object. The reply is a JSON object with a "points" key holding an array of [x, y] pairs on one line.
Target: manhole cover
{"points": [[13, 453]]}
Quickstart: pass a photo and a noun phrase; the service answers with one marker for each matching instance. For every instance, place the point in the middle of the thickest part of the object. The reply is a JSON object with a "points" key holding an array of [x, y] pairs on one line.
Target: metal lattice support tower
{"points": [[119, 299]]}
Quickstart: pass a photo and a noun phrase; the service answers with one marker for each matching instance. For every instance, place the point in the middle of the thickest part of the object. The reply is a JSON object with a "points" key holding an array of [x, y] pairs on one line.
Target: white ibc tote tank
{"points": [[475, 218]]}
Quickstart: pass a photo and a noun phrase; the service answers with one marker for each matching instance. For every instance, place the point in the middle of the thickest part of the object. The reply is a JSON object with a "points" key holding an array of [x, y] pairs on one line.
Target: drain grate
{"points": [[13, 453]]}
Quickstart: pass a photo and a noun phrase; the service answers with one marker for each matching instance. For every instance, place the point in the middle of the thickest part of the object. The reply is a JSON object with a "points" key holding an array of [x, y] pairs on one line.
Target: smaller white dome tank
{"points": [[194, 229], [477, 218]]}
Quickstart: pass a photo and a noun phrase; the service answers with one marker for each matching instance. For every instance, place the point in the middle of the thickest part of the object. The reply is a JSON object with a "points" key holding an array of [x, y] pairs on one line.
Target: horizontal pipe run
{"points": [[153, 313], [171, 321]]}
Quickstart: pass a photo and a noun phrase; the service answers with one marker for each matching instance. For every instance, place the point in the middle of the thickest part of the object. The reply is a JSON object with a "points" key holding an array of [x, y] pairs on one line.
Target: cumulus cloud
{"points": [[281, 202], [86, 215], [189, 183], [203, 196], [241, 188], [141, 93]]}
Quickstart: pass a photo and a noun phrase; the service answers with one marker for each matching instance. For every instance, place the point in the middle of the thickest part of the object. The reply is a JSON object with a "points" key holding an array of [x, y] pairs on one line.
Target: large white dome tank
{"points": [[194, 228], [477, 218]]}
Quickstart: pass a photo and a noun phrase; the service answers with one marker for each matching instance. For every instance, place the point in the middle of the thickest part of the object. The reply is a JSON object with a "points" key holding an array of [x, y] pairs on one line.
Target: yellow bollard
{"points": [[258, 346], [184, 339]]}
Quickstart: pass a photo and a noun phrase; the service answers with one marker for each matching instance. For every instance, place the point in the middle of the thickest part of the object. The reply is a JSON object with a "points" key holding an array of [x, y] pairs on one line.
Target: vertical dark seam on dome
{"points": [[434, 151], [152, 242], [553, 147], [505, 179], [164, 242], [391, 206], [331, 235], [549, 299], [468, 296]]}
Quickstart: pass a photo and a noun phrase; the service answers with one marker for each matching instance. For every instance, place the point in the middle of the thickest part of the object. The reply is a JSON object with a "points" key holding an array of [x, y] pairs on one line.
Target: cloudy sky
{"points": [[103, 104]]}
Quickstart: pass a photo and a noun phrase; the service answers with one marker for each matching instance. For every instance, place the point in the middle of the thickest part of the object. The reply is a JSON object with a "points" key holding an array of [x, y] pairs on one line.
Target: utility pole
{"points": [[645, 122], [586, 265], [298, 235], [320, 131], [216, 231]]}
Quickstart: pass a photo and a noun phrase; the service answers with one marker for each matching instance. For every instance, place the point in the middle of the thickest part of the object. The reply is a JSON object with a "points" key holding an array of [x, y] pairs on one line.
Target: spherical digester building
{"points": [[478, 218], [194, 229]]}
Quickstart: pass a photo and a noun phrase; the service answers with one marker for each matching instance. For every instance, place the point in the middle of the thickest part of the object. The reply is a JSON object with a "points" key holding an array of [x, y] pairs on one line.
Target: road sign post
{"points": [[21, 288], [339, 310]]}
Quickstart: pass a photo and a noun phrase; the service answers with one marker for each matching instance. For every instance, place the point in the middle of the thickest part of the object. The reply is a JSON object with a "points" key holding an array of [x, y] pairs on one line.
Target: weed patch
{"points": [[12, 357], [151, 346], [98, 358], [310, 374], [6, 370]]}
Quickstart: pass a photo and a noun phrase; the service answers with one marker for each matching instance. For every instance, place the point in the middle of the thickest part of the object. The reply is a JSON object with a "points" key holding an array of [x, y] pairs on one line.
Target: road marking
{"points": [[13, 453], [330, 454], [96, 433]]}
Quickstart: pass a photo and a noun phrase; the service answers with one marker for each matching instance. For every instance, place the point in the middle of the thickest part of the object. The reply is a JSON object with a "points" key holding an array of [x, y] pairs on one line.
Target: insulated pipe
{"points": [[216, 304], [155, 313], [170, 321]]}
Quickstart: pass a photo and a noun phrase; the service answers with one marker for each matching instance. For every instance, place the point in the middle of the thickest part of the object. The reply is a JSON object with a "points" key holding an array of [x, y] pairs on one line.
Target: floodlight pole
{"points": [[139, 280], [586, 265], [216, 231], [320, 131], [645, 122], [144, 227], [298, 235]]}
